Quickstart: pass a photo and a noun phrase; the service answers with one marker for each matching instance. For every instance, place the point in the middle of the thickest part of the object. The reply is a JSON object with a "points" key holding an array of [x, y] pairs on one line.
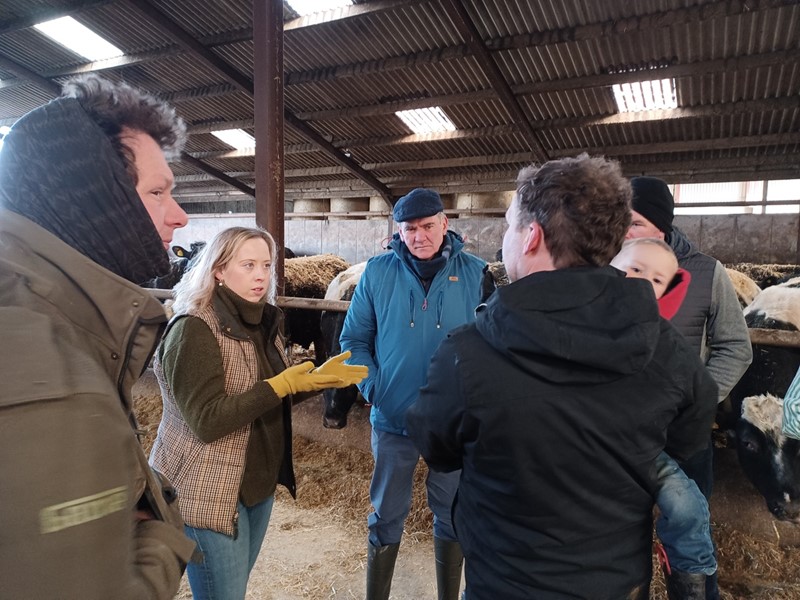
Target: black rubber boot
{"points": [[449, 560], [712, 587], [380, 568], [685, 586]]}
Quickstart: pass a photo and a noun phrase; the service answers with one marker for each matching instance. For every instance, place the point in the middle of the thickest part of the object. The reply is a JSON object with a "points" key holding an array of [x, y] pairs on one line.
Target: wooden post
{"points": [[268, 113]]}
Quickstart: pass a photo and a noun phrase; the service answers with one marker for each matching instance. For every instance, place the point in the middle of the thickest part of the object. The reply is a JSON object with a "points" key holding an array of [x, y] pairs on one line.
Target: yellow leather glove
{"points": [[301, 378], [349, 374]]}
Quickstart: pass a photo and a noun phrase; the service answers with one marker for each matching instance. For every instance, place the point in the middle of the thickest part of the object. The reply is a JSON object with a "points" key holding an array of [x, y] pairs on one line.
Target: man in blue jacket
{"points": [[403, 307]]}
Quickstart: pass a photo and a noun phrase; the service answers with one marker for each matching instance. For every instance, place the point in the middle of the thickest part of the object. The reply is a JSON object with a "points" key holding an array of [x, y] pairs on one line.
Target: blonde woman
{"points": [[225, 434]]}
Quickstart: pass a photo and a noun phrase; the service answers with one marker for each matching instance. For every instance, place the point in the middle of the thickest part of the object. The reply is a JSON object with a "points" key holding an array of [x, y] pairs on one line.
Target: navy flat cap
{"points": [[417, 204]]}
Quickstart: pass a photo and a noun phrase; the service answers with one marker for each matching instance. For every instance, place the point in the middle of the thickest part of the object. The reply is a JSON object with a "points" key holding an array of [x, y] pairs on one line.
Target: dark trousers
{"points": [[700, 469]]}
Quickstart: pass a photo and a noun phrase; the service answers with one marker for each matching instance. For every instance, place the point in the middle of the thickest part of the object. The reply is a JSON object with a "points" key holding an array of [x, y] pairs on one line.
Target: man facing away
{"points": [[556, 402], [86, 214], [710, 317], [404, 305]]}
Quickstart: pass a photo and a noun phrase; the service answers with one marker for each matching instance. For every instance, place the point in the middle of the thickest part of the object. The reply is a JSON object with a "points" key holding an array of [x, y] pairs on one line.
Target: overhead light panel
{"points": [[238, 138], [79, 38], [426, 120], [3, 133], [309, 7], [645, 95]]}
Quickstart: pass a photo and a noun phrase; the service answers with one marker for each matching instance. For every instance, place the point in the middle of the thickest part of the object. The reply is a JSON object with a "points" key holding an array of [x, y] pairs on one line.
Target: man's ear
{"points": [[534, 237]]}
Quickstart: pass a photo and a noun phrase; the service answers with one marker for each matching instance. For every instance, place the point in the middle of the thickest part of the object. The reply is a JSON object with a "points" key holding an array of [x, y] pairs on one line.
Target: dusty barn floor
{"points": [[315, 547]]}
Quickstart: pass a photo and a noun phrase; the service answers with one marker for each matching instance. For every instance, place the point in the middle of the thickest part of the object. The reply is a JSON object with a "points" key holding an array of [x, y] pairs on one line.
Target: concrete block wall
{"points": [[354, 240], [745, 238], [204, 227], [729, 238]]}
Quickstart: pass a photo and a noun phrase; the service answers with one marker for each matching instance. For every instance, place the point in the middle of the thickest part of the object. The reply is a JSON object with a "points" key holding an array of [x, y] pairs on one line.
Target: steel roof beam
{"points": [[235, 78]]}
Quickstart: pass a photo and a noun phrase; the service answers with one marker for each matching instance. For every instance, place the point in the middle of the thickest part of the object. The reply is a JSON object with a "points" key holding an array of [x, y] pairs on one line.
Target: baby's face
{"points": [[647, 261]]}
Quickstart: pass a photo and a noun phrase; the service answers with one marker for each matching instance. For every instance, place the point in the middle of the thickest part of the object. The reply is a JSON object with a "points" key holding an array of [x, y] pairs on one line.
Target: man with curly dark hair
{"points": [[557, 401], [86, 215]]}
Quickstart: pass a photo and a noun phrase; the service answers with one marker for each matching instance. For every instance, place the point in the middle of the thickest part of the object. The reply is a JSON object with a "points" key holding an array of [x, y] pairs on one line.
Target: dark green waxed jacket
{"points": [[75, 338]]}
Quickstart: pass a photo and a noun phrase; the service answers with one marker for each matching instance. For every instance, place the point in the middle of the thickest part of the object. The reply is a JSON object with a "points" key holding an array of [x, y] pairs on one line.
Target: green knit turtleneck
{"points": [[266, 433], [250, 313]]}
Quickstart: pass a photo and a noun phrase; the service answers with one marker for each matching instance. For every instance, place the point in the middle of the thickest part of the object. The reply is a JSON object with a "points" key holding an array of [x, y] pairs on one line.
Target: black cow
{"points": [[338, 401], [309, 277]]}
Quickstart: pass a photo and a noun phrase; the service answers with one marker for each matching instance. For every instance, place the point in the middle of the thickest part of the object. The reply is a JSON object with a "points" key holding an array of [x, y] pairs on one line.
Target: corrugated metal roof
{"points": [[736, 66]]}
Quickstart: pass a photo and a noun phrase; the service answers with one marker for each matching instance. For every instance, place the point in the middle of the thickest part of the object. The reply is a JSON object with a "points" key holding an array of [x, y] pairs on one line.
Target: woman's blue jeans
{"points": [[227, 561]]}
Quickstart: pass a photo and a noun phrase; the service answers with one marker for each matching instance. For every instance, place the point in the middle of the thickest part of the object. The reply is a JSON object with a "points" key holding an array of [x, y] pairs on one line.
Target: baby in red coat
{"points": [[683, 524], [654, 260]]}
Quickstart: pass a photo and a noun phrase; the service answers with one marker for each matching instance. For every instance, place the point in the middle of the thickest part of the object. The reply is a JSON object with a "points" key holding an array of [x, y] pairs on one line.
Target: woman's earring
{"points": [[219, 283]]}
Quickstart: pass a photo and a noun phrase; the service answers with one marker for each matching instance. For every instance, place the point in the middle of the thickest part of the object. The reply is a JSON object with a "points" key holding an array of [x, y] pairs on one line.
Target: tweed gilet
{"points": [[207, 475]]}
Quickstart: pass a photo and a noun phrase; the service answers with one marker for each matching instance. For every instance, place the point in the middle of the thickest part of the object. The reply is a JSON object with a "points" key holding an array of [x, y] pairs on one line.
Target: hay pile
{"points": [[147, 408], [337, 480], [756, 569], [309, 276], [766, 275]]}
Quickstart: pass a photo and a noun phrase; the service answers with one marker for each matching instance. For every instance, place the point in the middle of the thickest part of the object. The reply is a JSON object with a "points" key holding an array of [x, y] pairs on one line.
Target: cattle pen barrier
{"points": [[775, 337], [765, 337]]}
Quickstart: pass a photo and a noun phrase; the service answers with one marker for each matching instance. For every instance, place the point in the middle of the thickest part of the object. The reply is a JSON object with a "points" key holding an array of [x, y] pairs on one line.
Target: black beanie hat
{"points": [[653, 200]]}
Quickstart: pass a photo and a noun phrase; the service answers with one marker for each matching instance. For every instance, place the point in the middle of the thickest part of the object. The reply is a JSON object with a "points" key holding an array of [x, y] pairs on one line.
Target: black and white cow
{"points": [[338, 401], [768, 459], [773, 367], [177, 266]]}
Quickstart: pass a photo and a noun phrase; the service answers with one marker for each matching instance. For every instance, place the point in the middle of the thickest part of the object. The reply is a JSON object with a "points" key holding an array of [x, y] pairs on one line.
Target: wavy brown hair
{"points": [[117, 106], [583, 205]]}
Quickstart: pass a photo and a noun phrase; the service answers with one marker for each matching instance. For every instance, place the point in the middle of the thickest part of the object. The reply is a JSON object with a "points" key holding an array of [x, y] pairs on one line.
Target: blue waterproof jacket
{"points": [[394, 327]]}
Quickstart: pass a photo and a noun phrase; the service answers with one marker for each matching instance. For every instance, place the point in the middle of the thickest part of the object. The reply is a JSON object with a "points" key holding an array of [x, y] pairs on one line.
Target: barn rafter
{"points": [[520, 83]]}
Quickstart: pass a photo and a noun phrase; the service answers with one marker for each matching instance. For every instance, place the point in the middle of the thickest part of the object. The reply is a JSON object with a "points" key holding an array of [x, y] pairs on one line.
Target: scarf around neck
{"points": [[59, 169], [426, 270]]}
